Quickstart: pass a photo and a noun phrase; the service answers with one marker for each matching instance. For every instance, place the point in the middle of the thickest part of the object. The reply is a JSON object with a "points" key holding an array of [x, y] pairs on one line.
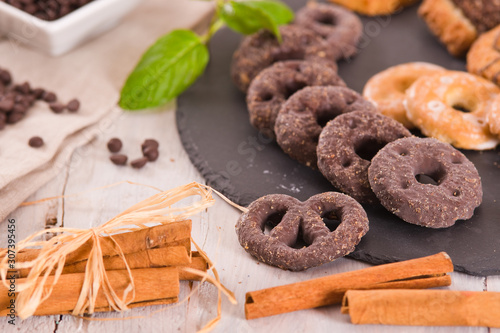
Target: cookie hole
{"points": [[292, 87], [368, 148], [300, 242], [405, 185], [456, 161], [456, 193], [331, 220], [346, 163], [326, 19], [273, 220], [426, 179], [266, 97], [460, 107], [323, 119]]}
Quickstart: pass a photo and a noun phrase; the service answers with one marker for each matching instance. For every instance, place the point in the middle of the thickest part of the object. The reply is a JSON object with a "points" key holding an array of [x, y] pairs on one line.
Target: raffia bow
{"points": [[157, 209]]}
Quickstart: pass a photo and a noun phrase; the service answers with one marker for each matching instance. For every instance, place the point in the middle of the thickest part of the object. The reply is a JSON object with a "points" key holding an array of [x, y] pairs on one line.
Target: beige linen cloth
{"points": [[94, 73]]}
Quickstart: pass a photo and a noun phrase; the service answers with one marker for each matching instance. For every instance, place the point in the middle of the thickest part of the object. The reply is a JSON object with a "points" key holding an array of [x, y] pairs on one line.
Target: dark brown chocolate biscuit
{"points": [[338, 25], [275, 84], [348, 143], [452, 193], [262, 49], [292, 218], [303, 116]]}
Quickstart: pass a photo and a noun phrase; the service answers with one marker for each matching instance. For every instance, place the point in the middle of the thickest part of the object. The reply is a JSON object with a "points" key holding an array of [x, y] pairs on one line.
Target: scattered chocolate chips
{"points": [[36, 142], [118, 159], [149, 151], [73, 105], [115, 145], [139, 163], [48, 10], [17, 99]]}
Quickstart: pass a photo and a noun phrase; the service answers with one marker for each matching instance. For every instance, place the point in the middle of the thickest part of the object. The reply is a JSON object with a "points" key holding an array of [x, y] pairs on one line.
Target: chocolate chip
{"points": [[38, 93], [149, 143], [73, 105], [5, 77], [139, 163], [14, 117], [57, 107], [21, 108], [114, 145], [23, 88], [49, 97], [118, 159], [6, 104], [150, 153], [35, 142]]}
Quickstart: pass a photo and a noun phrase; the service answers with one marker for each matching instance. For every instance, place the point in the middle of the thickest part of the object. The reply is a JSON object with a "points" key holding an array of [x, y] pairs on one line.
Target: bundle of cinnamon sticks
{"points": [[155, 257]]}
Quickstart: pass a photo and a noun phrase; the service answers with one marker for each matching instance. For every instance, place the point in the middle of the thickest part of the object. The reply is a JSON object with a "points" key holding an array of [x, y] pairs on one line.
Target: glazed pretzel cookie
{"points": [[454, 196], [340, 27], [387, 88], [434, 104], [483, 58], [290, 217], [303, 116], [275, 84], [262, 49]]}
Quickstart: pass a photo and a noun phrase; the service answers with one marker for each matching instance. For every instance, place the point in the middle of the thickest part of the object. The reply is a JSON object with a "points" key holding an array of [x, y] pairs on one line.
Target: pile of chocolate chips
{"points": [[17, 99], [48, 10], [149, 153]]}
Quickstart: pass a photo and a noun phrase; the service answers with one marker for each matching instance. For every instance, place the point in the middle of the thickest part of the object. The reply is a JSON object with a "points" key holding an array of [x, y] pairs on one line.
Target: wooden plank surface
{"points": [[213, 231]]}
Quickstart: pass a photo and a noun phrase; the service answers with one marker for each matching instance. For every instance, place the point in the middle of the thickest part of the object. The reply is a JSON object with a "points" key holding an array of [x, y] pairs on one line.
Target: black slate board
{"points": [[235, 159]]}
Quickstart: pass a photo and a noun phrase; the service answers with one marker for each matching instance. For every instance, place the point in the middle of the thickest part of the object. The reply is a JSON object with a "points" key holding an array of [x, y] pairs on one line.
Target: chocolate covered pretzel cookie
{"points": [[262, 49], [302, 118], [275, 84], [291, 217], [340, 27], [395, 176], [347, 145]]}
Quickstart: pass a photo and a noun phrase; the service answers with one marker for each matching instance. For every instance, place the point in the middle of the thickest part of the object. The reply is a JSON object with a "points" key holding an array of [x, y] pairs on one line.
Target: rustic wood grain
{"points": [[213, 231]]}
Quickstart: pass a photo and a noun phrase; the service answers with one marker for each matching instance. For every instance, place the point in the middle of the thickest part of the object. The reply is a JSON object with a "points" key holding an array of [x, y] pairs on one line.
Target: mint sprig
{"points": [[177, 59]]}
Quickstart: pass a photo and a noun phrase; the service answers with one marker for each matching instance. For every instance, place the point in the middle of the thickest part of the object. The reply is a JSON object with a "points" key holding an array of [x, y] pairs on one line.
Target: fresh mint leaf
{"points": [[167, 68], [248, 17], [277, 11]]}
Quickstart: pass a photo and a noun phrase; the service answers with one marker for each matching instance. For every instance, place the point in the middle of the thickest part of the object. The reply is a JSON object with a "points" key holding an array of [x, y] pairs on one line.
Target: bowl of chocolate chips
{"points": [[57, 26]]}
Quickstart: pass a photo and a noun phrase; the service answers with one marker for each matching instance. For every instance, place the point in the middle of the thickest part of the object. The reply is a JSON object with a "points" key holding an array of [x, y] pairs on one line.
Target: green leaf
{"points": [[277, 11], [167, 68], [248, 17]]}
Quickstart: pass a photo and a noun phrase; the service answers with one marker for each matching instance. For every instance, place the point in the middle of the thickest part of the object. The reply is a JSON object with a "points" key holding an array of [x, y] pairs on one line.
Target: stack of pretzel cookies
{"points": [[360, 143]]}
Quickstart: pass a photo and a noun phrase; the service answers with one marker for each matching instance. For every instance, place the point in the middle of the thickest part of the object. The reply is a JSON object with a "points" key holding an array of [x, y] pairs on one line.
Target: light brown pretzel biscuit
{"points": [[434, 105], [448, 22], [483, 57], [387, 89]]}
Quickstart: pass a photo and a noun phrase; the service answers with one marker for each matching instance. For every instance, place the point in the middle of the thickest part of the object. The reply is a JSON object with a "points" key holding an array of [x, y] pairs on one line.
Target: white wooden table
{"points": [[214, 231]]}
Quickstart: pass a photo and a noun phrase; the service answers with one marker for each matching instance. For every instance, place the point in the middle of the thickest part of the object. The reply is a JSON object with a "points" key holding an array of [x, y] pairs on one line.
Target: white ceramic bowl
{"points": [[59, 36]]}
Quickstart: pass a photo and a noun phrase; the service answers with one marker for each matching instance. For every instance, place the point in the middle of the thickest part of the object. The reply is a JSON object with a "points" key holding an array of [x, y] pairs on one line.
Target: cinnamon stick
{"points": [[129, 242], [151, 284], [423, 307], [424, 272]]}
